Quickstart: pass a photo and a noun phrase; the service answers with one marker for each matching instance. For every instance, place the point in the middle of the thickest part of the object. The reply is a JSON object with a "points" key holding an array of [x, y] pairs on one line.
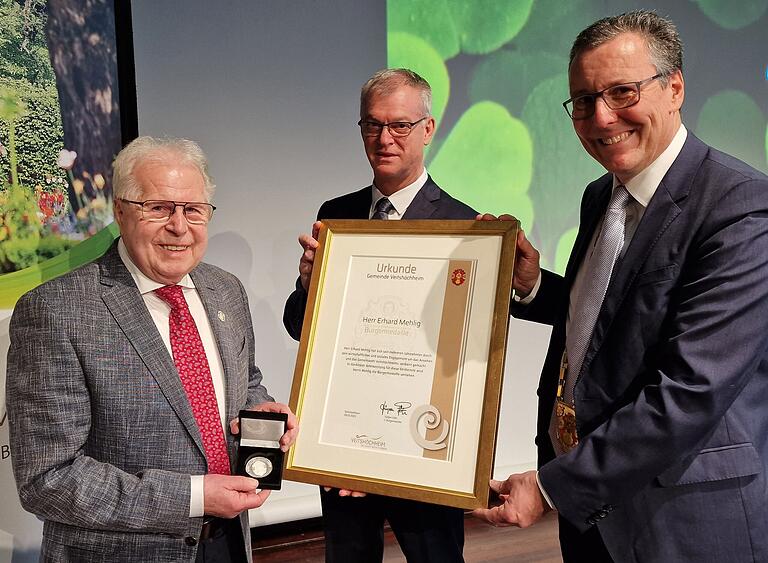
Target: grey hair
{"points": [[161, 151], [665, 48], [386, 81]]}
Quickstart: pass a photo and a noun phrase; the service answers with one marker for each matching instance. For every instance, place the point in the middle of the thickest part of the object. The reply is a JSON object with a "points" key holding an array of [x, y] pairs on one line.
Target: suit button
{"points": [[190, 541]]}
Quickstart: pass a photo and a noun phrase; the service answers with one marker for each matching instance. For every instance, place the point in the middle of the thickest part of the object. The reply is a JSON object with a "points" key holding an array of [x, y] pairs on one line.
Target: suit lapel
{"points": [[423, 205], [361, 205], [592, 213], [226, 341], [589, 221], [663, 209], [661, 212], [126, 305]]}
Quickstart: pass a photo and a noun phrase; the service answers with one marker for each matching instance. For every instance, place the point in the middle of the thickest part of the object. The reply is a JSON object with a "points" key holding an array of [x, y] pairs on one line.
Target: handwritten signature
{"points": [[397, 409]]}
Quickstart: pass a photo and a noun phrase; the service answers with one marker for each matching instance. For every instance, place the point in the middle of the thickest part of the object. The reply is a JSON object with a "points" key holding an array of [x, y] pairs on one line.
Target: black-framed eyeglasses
{"points": [[160, 210], [620, 96], [396, 128]]}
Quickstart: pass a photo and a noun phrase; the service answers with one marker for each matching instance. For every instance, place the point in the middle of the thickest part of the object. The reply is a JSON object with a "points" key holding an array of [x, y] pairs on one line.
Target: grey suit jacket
{"points": [[430, 203], [103, 439], [671, 410]]}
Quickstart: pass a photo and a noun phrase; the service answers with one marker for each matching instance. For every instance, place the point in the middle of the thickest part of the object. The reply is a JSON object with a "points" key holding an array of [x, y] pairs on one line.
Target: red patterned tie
{"points": [[192, 364]]}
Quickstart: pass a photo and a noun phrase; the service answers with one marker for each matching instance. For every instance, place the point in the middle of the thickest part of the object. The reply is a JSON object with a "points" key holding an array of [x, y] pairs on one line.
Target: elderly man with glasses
{"points": [[125, 378], [396, 124], [653, 426]]}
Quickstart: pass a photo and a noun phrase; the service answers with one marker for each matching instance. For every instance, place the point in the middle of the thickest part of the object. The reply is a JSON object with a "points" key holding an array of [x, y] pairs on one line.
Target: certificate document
{"points": [[395, 375], [398, 355]]}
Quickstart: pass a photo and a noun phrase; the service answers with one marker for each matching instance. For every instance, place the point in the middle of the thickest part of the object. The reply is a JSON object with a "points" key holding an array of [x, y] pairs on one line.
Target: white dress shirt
{"points": [[401, 199], [161, 312]]}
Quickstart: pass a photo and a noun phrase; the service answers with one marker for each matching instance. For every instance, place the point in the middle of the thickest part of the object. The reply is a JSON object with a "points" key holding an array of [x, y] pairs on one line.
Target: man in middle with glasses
{"points": [[396, 124]]}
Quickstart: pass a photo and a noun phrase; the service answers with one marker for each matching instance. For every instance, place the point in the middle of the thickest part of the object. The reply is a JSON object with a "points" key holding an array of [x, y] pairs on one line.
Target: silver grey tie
{"points": [[592, 292], [382, 209]]}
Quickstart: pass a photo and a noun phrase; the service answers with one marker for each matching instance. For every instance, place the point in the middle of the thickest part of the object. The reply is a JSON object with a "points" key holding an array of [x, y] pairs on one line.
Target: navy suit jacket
{"points": [[672, 403], [430, 203]]}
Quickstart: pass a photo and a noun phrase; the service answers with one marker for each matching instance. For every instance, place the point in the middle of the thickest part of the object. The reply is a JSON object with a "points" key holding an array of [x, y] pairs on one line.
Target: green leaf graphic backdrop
{"points": [[498, 69]]}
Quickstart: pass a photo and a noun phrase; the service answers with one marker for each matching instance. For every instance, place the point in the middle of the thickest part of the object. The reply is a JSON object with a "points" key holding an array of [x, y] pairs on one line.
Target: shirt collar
{"points": [[144, 283], [403, 197], [644, 185]]}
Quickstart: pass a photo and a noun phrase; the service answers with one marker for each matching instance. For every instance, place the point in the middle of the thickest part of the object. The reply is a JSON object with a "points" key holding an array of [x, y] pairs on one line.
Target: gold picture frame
{"points": [[399, 371]]}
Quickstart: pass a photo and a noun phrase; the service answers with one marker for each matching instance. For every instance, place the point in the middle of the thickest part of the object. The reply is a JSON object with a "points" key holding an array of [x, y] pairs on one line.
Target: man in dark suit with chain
{"points": [[652, 430], [396, 124], [125, 378]]}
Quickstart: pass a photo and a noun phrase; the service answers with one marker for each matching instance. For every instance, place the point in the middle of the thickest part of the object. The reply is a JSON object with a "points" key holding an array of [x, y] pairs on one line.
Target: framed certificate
{"points": [[398, 376]]}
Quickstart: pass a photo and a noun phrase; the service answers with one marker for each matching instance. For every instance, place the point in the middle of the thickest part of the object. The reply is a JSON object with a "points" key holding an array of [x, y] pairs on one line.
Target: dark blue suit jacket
{"points": [[672, 405], [430, 203]]}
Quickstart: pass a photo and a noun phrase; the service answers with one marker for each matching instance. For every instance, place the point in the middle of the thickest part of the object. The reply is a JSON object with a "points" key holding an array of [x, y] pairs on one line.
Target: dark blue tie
{"points": [[382, 209]]}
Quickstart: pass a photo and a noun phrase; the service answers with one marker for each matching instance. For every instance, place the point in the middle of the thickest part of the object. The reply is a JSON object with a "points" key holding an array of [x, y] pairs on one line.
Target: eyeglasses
{"points": [[157, 211], [395, 128], [619, 96]]}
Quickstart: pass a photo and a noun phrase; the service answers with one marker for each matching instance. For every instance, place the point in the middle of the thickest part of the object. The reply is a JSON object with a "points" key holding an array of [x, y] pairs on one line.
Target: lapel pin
{"points": [[222, 316]]}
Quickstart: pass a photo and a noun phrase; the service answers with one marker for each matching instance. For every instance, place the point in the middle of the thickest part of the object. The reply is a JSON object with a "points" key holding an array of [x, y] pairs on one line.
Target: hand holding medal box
{"points": [[259, 455]]}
